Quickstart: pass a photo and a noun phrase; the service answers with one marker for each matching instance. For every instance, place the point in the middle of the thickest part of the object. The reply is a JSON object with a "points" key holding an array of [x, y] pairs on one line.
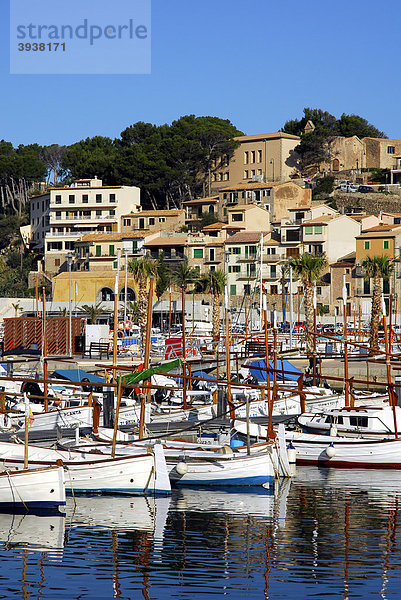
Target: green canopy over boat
{"points": [[133, 378]]}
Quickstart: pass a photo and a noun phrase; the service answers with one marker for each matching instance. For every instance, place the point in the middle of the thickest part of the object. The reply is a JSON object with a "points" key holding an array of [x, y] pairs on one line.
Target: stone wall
{"points": [[370, 203]]}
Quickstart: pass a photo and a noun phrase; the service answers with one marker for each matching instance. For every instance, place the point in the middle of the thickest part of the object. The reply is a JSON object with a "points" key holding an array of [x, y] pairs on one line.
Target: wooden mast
{"points": [[44, 352], [146, 357], [269, 396], [388, 368], [346, 378]]}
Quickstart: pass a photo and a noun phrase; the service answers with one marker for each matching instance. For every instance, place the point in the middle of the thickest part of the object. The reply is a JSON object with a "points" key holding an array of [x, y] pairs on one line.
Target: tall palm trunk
{"points": [[309, 317], [375, 316], [216, 317], [142, 309]]}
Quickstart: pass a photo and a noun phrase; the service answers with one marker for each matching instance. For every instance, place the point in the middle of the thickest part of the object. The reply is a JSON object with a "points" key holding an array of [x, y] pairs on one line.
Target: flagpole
{"points": [[261, 282]]}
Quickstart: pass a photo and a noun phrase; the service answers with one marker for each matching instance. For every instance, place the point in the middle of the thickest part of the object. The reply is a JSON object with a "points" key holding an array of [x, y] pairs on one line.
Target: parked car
{"points": [[365, 189], [347, 187]]}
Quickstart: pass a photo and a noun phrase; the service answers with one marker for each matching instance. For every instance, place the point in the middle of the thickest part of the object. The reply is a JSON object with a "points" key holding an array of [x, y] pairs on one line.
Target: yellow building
{"points": [[87, 286]]}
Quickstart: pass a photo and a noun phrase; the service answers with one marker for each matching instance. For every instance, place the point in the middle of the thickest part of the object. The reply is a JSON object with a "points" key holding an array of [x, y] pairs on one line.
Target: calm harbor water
{"points": [[324, 534]]}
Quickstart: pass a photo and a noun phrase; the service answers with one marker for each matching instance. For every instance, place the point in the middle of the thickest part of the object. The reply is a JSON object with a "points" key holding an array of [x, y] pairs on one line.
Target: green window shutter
{"points": [[135, 244], [367, 245], [98, 251], [225, 212], [115, 264], [308, 229], [246, 251], [198, 252], [111, 250], [385, 244], [233, 290], [318, 229]]}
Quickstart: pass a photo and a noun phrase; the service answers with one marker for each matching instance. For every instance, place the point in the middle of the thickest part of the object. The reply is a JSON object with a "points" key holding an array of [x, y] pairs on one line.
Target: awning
{"points": [[257, 369], [77, 375], [147, 373]]}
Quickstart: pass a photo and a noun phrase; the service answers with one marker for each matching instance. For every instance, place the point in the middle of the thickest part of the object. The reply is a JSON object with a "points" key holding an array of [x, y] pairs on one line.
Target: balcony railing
{"points": [[84, 218]]}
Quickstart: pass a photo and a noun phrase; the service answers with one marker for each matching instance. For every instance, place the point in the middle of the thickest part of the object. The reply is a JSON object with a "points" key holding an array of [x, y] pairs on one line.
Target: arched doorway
{"points": [[106, 295], [131, 296], [336, 164]]}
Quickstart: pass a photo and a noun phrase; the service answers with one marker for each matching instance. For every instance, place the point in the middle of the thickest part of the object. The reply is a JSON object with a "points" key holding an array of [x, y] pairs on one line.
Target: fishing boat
{"points": [[40, 488], [336, 451], [364, 421], [143, 472]]}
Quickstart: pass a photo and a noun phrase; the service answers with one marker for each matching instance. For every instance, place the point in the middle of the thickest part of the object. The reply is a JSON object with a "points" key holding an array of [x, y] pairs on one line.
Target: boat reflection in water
{"points": [[325, 533], [39, 533]]}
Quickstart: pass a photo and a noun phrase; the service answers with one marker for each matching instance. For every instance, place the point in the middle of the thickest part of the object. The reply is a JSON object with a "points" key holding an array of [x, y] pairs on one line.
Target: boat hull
{"points": [[32, 489]]}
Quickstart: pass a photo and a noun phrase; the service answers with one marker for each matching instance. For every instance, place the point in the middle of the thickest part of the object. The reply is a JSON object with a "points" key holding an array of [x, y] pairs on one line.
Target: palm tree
{"points": [[285, 267], [309, 269], [142, 270], [92, 312], [17, 307], [216, 282], [376, 268], [182, 276]]}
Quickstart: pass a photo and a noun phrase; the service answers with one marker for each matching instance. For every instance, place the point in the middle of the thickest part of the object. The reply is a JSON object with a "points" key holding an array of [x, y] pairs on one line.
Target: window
{"points": [[58, 214], [234, 269], [319, 291], [347, 271], [253, 156], [259, 156], [220, 176], [273, 290], [58, 199], [253, 172], [141, 223], [115, 264], [235, 250], [98, 251], [56, 262], [71, 199], [386, 286], [267, 192], [69, 245], [127, 222], [237, 217], [198, 252], [259, 171], [247, 289], [211, 208], [246, 175], [111, 250], [151, 221], [318, 229], [211, 254], [366, 286], [273, 271], [246, 159], [267, 207], [366, 245], [162, 219], [308, 230], [85, 198], [55, 246], [233, 290], [98, 213], [251, 270], [112, 197], [385, 244], [98, 198], [390, 149], [224, 212], [226, 176], [112, 212]]}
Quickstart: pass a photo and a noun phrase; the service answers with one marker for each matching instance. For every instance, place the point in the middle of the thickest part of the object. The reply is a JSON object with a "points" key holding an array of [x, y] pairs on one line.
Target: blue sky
{"points": [[256, 63]]}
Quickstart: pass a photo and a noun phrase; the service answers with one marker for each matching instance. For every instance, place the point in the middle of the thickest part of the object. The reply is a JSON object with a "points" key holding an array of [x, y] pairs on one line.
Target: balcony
{"points": [[271, 258], [83, 218]]}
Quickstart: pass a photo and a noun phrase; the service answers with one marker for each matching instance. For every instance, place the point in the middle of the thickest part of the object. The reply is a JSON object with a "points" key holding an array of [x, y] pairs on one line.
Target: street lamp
{"points": [[69, 261]]}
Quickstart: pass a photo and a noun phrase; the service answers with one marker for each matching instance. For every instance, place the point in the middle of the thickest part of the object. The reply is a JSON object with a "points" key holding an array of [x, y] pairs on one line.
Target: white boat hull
{"points": [[33, 488]]}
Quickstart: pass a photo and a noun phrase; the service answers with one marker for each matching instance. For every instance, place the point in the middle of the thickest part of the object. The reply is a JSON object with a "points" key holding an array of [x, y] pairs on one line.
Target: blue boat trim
{"points": [[241, 481], [35, 504], [124, 491]]}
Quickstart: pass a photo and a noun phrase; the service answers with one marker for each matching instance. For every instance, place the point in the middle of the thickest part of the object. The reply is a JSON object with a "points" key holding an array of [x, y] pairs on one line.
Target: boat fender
{"points": [[291, 453], [333, 431], [331, 451], [226, 450], [182, 467]]}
